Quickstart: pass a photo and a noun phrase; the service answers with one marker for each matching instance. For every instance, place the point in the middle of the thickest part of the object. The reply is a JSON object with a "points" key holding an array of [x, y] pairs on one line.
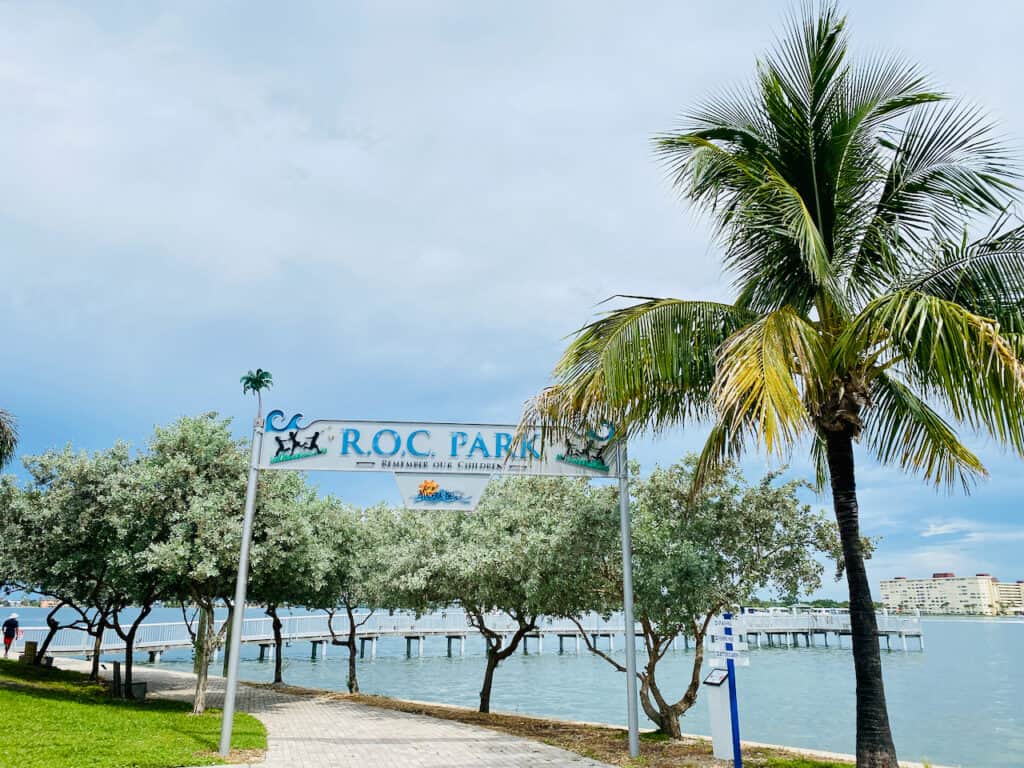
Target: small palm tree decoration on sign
{"points": [[255, 382]]}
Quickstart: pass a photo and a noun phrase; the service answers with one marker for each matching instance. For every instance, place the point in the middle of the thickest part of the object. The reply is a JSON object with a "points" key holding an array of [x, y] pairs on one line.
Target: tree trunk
{"points": [[204, 645], [227, 641], [278, 643], [201, 641], [94, 672], [875, 748], [485, 691], [353, 683], [55, 627]]}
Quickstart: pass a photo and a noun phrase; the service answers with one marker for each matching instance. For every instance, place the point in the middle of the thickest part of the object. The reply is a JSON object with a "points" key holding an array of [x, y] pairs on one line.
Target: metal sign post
{"points": [[632, 716], [235, 645], [436, 466], [730, 662]]}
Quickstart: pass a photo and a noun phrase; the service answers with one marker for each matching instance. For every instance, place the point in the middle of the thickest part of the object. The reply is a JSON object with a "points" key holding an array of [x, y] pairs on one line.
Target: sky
{"points": [[401, 210]]}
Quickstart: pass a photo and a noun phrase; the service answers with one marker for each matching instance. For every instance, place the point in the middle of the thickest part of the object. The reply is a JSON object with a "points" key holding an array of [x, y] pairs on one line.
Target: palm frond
{"points": [[946, 164], [901, 428], [8, 436], [947, 353], [985, 276], [768, 374], [645, 366]]}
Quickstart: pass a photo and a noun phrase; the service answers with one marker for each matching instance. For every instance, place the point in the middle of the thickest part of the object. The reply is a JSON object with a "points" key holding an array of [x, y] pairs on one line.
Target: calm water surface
{"points": [[961, 702]]}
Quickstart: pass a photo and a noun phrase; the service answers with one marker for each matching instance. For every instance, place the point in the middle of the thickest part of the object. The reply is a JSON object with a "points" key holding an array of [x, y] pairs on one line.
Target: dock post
{"points": [[903, 637], [561, 649], [920, 639], [313, 646], [408, 647], [154, 657], [611, 641], [540, 643], [580, 637], [462, 645], [449, 641], [420, 639]]}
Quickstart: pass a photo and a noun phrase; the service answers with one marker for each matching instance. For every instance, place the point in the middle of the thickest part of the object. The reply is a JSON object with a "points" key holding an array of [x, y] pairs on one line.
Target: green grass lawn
{"points": [[56, 719]]}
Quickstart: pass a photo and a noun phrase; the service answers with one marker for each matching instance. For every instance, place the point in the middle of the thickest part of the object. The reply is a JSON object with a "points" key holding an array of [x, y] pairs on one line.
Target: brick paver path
{"points": [[317, 732]]}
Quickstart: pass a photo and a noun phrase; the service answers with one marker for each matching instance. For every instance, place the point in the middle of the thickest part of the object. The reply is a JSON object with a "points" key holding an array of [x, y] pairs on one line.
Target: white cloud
{"points": [[948, 527]]}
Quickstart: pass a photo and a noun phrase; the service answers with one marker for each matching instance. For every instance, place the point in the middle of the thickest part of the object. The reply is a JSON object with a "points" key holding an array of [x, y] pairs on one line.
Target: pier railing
{"points": [[452, 622]]}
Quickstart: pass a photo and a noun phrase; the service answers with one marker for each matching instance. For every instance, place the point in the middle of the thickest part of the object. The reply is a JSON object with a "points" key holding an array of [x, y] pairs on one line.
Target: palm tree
{"points": [[8, 436], [841, 194], [255, 382]]}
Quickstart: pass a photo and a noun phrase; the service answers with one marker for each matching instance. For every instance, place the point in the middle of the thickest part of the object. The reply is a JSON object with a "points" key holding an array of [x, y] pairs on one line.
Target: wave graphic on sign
{"points": [[430, 492]]}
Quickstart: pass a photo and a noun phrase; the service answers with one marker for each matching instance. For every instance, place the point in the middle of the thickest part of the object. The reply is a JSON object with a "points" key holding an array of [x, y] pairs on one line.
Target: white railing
{"points": [[160, 636]]}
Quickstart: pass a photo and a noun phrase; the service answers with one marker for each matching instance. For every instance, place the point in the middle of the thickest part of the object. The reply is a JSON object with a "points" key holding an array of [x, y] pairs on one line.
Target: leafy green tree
{"points": [[355, 575], [63, 537], [8, 436], [841, 192], [194, 472], [524, 553], [290, 557], [698, 554]]}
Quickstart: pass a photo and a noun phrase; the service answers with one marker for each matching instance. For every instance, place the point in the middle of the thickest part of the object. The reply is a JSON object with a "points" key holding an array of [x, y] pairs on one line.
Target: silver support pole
{"points": [[243, 577], [632, 716]]}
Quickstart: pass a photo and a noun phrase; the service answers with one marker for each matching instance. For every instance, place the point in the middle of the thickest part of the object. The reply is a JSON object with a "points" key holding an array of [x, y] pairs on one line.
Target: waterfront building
{"points": [[948, 593]]}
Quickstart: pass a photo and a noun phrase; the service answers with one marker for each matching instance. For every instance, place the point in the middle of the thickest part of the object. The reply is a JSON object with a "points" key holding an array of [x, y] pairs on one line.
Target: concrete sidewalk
{"points": [[315, 732]]}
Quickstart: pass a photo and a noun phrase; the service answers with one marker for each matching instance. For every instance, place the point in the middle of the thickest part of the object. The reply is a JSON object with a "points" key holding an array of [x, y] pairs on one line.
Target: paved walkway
{"points": [[317, 732]]}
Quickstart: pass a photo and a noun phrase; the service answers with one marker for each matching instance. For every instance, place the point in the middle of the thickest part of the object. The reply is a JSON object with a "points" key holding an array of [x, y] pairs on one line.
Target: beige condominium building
{"points": [[949, 593]]}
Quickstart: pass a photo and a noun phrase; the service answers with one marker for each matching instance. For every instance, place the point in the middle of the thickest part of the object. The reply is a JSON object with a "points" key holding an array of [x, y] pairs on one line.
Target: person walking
{"points": [[10, 630]]}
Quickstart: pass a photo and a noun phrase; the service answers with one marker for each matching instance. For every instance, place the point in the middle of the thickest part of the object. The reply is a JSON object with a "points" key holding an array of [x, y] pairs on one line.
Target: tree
{"points": [[134, 582], [8, 436], [195, 473], [291, 560], [841, 193], [354, 576], [523, 553], [698, 554], [62, 537]]}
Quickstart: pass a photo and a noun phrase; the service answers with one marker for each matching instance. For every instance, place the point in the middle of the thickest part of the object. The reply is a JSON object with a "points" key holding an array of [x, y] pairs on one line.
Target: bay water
{"points": [[959, 702]]}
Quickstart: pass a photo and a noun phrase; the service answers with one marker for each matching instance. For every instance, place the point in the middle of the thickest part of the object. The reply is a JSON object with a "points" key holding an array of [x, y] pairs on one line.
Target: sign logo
{"points": [[588, 450], [431, 492], [292, 447]]}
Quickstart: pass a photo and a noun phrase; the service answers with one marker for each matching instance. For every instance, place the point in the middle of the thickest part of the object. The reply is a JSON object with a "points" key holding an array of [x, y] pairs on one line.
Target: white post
{"points": [[632, 716], [240, 585]]}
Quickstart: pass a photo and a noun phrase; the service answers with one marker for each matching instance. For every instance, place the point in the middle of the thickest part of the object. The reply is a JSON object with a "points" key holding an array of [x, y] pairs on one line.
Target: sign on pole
{"points": [[436, 466]]}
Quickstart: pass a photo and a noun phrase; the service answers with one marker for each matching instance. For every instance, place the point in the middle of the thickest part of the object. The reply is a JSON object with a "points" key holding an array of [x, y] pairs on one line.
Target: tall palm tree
{"points": [[841, 193], [8, 436], [255, 382]]}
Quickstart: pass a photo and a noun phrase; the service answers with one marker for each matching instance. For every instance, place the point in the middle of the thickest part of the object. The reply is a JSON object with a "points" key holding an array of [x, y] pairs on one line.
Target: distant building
{"points": [[948, 593], [47, 603]]}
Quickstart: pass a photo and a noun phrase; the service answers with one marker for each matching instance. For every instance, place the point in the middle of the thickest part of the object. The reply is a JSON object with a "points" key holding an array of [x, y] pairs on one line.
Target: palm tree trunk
{"points": [[875, 748]]}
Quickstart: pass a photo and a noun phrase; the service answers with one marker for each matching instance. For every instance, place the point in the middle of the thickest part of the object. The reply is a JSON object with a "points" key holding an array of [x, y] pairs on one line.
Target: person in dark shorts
{"points": [[10, 629]]}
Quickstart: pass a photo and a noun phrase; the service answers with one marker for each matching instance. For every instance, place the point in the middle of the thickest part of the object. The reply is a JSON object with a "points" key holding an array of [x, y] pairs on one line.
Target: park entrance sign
{"points": [[436, 466]]}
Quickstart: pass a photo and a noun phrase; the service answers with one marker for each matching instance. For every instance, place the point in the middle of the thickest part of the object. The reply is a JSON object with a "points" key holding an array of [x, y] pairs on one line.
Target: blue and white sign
{"points": [[436, 466]]}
